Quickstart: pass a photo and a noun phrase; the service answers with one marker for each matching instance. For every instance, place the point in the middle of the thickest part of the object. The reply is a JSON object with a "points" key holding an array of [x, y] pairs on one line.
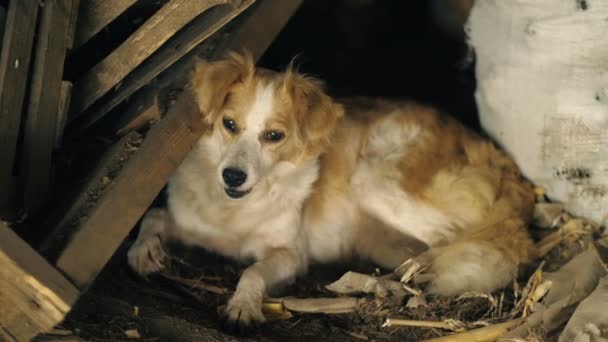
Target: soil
{"points": [[160, 309]]}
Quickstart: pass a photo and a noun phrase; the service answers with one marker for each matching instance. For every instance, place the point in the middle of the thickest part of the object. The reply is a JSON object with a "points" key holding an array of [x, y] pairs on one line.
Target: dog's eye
{"points": [[230, 125], [273, 136]]}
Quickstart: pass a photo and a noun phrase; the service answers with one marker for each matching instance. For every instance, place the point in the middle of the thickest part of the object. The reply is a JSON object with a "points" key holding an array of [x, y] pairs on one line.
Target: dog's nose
{"points": [[234, 177]]}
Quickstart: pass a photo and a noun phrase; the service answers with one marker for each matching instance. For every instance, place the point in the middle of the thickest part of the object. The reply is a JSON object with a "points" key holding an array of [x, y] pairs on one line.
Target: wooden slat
{"points": [[71, 35], [202, 28], [65, 97], [14, 63], [95, 15], [140, 45], [45, 101], [131, 192], [34, 296]]}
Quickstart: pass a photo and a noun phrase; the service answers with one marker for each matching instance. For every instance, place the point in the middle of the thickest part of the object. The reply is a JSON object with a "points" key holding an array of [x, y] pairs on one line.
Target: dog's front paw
{"points": [[147, 256], [243, 313]]}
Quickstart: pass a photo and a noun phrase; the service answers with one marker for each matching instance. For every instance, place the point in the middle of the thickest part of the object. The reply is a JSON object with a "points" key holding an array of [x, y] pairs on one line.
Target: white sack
{"points": [[542, 93]]}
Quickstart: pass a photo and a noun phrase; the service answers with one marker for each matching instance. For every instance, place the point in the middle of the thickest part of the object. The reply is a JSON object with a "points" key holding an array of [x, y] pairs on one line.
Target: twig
{"points": [[485, 334], [411, 290], [357, 335], [448, 324]]}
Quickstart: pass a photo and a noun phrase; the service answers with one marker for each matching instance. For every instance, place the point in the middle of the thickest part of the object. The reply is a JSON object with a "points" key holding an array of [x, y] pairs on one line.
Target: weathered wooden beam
{"points": [[192, 35], [94, 15], [14, 64], [34, 296], [44, 105], [131, 192], [155, 32]]}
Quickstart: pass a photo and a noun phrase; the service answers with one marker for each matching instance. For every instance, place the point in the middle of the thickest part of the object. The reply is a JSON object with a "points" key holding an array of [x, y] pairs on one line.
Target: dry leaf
{"points": [[321, 305], [570, 284], [132, 334], [355, 283], [590, 320], [416, 301]]}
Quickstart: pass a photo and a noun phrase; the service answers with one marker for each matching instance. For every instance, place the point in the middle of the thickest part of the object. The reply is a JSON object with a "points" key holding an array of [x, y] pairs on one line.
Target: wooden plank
{"points": [[140, 45], [71, 35], [132, 192], [95, 15], [65, 97], [34, 296], [199, 30], [44, 101], [14, 64]]}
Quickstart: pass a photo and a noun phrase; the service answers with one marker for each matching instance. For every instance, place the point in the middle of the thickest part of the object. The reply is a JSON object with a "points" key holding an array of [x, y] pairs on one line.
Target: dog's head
{"points": [[261, 119]]}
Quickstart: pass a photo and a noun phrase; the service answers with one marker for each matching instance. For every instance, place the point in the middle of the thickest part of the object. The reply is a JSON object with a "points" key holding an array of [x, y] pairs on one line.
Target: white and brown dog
{"points": [[289, 176]]}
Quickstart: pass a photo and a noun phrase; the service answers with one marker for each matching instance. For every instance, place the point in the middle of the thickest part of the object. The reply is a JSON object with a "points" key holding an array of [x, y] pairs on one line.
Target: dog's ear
{"points": [[316, 113], [212, 82]]}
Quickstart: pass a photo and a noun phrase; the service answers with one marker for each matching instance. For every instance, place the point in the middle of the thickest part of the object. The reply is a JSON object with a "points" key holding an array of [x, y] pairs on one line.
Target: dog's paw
{"points": [[243, 314], [147, 256]]}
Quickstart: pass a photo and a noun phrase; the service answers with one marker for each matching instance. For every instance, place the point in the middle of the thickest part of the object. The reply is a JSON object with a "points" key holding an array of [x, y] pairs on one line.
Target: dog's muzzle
{"points": [[233, 178]]}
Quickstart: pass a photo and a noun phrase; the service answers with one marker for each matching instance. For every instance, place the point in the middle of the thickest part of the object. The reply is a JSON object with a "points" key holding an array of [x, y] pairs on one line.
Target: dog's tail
{"points": [[488, 257]]}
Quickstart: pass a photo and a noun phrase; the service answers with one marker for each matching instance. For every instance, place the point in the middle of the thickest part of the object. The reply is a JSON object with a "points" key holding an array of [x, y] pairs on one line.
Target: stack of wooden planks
{"points": [[40, 107]]}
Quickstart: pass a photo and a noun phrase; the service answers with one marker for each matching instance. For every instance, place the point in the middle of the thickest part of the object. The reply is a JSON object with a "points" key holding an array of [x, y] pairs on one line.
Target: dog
{"points": [[290, 176]]}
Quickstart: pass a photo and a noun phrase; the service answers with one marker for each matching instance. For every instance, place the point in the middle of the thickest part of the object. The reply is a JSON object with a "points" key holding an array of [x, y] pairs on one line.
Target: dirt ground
{"points": [[182, 303], [161, 309]]}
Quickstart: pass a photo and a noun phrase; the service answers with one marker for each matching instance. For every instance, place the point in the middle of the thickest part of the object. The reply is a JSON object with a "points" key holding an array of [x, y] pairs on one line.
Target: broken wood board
{"points": [[155, 32], [34, 296], [14, 64], [196, 32], [94, 15], [131, 192], [44, 105]]}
